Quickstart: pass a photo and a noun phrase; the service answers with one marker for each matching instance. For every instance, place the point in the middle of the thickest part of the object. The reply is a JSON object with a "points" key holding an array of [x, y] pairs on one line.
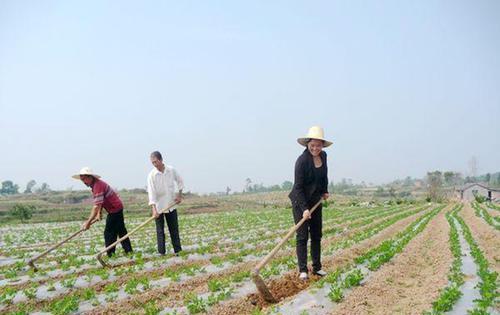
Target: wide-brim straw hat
{"points": [[315, 132], [86, 171]]}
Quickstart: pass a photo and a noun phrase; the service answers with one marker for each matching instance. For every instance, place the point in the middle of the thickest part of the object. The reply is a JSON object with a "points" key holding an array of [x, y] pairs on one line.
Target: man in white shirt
{"points": [[161, 192]]}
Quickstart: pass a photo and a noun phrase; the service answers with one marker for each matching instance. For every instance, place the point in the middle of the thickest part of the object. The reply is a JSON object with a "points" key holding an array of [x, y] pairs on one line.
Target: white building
{"points": [[469, 191]]}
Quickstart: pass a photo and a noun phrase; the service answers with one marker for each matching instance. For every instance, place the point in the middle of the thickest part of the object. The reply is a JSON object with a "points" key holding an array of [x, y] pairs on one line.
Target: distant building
{"points": [[469, 191]]}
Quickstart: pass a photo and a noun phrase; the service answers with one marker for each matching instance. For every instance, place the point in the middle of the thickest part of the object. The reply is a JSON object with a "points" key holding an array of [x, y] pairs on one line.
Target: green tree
{"points": [[487, 177], [29, 186], [458, 179], [9, 188], [45, 188], [434, 185], [248, 184], [448, 177], [287, 185], [274, 188], [22, 212], [408, 181], [380, 192], [392, 192]]}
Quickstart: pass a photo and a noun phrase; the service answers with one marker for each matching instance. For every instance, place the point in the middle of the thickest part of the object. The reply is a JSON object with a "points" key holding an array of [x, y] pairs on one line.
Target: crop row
{"points": [[483, 213], [76, 256], [451, 293], [488, 285]]}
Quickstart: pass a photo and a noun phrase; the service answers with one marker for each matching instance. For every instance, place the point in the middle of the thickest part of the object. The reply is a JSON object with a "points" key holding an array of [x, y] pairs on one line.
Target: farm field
{"points": [[420, 258], [253, 157]]}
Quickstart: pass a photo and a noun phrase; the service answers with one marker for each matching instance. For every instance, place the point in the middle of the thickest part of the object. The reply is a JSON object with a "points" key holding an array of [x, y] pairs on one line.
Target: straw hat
{"points": [[85, 171], [315, 132]]}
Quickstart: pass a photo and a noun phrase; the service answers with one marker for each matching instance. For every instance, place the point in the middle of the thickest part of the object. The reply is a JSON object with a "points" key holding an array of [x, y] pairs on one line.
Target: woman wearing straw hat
{"points": [[310, 185], [105, 197]]}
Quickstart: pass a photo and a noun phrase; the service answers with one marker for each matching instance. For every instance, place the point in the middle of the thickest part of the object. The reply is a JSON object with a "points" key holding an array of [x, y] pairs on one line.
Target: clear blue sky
{"points": [[224, 88]]}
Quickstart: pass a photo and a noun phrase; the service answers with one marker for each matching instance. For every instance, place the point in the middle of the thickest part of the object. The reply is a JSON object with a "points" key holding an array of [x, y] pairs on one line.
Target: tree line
{"points": [[10, 188]]}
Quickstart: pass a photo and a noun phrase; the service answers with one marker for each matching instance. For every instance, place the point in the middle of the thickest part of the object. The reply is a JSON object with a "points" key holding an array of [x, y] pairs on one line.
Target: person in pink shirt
{"points": [[107, 198]]}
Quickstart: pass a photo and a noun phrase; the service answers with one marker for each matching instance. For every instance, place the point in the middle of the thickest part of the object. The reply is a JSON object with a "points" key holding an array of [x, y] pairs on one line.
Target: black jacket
{"points": [[306, 188]]}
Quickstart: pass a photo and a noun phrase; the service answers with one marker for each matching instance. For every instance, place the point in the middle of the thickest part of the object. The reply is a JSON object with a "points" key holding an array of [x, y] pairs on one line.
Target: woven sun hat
{"points": [[315, 132], [86, 171]]}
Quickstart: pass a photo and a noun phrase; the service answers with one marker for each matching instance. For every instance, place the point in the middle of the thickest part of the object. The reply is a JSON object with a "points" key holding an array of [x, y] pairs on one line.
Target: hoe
{"points": [[257, 279], [103, 263], [31, 262]]}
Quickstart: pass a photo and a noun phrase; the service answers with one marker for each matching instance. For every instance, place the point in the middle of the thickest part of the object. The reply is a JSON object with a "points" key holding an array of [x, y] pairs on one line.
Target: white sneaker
{"points": [[320, 273], [303, 276]]}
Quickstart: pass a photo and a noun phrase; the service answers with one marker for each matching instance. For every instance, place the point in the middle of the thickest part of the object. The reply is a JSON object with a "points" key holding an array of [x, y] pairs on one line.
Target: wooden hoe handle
{"points": [[131, 232], [273, 252], [32, 260]]}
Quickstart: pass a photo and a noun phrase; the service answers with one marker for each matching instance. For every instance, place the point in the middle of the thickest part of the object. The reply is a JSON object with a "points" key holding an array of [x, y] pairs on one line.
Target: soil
{"points": [[485, 235], [492, 212], [176, 292], [411, 281], [289, 285], [170, 296], [119, 281], [82, 272]]}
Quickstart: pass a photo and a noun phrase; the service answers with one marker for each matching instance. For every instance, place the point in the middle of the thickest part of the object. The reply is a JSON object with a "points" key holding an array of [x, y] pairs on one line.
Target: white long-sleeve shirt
{"points": [[161, 187]]}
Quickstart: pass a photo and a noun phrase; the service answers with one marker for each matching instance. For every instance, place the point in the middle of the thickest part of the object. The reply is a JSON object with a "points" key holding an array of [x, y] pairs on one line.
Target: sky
{"points": [[224, 88]]}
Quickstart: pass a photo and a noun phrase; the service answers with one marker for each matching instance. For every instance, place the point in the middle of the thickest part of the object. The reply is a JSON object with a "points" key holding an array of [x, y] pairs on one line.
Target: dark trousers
{"points": [[173, 229], [311, 227], [115, 227]]}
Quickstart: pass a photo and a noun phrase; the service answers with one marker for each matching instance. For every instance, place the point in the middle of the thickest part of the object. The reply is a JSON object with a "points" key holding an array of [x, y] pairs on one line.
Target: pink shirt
{"points": [[105, 196]]}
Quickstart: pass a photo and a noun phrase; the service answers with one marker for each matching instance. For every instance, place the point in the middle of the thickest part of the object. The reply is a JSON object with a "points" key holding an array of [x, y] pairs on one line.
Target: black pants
{"points": [[173, 229], [313, 227], [115, 226]]}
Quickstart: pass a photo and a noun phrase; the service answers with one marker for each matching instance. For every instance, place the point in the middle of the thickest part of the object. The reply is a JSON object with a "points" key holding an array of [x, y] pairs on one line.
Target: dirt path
{"points": [[411, 281], [289, 285], [485, 235]]}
